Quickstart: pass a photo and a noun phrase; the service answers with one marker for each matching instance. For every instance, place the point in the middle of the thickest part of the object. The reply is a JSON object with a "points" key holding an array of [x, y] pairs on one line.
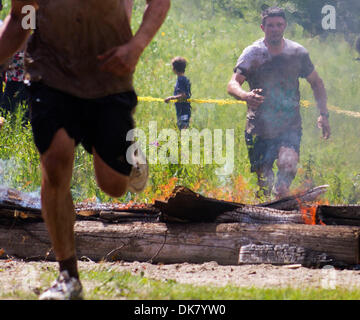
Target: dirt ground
{"points": [[25, 276]]}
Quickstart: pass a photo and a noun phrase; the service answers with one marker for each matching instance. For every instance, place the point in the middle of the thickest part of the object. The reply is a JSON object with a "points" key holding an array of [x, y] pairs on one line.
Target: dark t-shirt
{"points": [[278, 76], [183, 85]]}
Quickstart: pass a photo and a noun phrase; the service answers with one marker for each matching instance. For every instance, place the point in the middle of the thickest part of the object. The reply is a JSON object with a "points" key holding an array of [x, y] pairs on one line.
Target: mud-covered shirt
{"points": [[69, 36], [278, 77]]}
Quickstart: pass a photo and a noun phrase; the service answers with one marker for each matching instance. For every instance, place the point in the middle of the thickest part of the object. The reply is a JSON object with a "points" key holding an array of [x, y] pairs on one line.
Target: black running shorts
{"points": [[101, 123]]}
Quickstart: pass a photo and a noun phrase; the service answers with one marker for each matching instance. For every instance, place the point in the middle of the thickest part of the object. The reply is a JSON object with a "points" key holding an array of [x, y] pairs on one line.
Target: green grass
{"points": [[120, 285], [112, 285]]}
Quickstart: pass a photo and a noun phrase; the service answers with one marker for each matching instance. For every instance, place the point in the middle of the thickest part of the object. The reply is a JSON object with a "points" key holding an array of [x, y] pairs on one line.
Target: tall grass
{"points": [[212, 42]]}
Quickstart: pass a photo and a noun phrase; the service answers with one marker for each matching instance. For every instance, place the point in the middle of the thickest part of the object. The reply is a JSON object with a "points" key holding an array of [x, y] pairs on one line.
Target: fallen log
{"points": [[14, 199], [293, 202], [184, 205], [121, 217], [347, 215], [179, 243], [15, 204], [260, 215]]}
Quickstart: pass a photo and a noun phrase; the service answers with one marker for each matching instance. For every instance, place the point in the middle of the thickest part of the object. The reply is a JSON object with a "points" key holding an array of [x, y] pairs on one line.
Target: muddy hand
{"points": [[254, 98], [120, 60], [323, 123]]}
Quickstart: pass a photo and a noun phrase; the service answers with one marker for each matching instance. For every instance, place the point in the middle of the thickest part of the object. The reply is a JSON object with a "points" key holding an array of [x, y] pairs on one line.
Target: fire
{"points": [[237, 190], [309, 213], [166, 189]]}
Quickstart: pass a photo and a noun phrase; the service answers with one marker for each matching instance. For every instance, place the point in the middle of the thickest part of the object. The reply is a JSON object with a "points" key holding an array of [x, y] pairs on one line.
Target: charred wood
{"points": [[347, 215], [179, 243], [293, 202], [185, 205], [282, 254], [260, 215], [121, 217]]}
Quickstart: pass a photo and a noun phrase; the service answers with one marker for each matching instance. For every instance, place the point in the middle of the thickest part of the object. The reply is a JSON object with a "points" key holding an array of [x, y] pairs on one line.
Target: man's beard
{"points": [[275, 42]]}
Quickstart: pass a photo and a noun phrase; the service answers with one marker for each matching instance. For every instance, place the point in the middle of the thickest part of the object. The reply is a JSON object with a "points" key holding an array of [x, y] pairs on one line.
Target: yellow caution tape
{"points": [[303, 103], [354, 114], [215, 101]]}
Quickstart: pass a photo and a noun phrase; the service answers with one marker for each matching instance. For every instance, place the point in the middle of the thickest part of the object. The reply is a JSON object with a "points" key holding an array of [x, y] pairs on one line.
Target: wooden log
{"points": [[260, 215], [88, 209], [293, 202], [188, 206], [346, 215], [179, 243], [16, 200], [17, 204], [183, 205], [121, 217]]}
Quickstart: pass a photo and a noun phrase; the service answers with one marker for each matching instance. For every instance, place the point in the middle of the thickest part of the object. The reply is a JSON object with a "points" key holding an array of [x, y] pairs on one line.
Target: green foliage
{"points": [[212, 40], [308, 14], [19, 160]]}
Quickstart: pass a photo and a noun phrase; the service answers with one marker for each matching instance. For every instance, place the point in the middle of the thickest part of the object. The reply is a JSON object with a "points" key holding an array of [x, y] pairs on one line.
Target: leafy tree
{"points": [[307, 13]]}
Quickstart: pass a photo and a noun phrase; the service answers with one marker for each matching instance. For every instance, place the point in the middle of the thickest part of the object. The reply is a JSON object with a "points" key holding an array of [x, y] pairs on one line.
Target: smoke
{"points": [[10, 170]]}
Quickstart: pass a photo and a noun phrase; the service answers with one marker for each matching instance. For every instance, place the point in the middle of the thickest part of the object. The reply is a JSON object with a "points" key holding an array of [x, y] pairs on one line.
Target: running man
{"points": [[81, 59], [272, 66]]}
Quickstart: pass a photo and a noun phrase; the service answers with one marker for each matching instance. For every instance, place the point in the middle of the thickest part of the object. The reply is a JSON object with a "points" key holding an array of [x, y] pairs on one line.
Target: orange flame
{"points": [[309, 213], [164, 191], [238, 190]]}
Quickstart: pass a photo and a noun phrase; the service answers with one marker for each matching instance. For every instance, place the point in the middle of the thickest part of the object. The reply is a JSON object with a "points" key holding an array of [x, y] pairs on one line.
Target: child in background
{"points": [[182, 92]]}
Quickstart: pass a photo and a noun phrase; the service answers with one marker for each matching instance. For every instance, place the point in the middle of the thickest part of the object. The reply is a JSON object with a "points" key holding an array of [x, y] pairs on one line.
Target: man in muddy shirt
{"points": [[81, 58], [272, 66]]}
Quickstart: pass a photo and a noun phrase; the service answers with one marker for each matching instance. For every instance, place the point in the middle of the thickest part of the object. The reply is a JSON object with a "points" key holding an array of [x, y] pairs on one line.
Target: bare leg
{"points": [[57, 205], [287, 168], [110, 181]]}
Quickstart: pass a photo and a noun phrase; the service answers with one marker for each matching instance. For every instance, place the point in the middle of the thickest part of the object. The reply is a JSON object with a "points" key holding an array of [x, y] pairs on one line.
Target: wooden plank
{"points": [[178, 243]]}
